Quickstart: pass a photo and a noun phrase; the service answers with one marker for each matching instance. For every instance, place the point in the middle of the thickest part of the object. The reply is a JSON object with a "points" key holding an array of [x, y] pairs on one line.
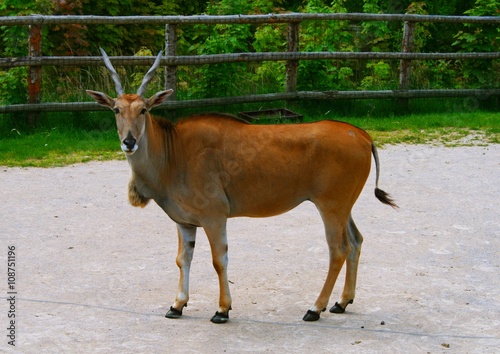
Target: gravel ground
{"points": [[95, 275]]}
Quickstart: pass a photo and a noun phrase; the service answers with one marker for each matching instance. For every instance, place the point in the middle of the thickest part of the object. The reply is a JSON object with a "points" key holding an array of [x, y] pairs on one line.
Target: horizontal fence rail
{"points": [[35, 61], [479, 94], [238, 57], [239, 19]]}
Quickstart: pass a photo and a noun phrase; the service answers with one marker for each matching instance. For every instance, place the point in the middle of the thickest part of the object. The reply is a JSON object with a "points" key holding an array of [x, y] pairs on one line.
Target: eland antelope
{"points": [[207, 168]]}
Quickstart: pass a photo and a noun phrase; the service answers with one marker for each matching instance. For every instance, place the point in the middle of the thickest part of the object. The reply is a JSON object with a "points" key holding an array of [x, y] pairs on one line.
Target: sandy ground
{"points": [[95, 275]]}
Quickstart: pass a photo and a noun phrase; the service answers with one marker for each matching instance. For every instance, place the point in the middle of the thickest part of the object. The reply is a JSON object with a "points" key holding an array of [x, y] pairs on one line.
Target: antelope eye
{"points": [[116, 110], [143, 111]]}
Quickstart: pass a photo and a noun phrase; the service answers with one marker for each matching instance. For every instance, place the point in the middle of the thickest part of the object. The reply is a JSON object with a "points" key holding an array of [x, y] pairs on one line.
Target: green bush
{"points": [[231, 79]]}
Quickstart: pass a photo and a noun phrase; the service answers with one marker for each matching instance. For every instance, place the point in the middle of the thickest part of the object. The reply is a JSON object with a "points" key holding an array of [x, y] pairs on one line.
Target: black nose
{"points": [[129, 142]]}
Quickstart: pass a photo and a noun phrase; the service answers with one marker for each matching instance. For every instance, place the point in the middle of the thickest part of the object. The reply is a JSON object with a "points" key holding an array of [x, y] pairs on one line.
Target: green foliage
{"points": [[480, 38], [270, 77], [270, 74], [377, 33], [231, 79], [14, 39], [421, 32], [321, 36], [223, 79], [13, 86], [435, 74], [13, 43], [379, 78], [270, 38], [128, 38]]}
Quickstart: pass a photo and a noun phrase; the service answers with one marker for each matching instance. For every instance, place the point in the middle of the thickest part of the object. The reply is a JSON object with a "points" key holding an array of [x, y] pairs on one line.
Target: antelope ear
{"points": [[158, 98], [102, 98]]}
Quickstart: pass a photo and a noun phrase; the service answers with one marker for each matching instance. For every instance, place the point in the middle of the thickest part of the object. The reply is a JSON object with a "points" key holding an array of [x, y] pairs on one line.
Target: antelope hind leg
{"points": [[355, 240], [339, 248]]}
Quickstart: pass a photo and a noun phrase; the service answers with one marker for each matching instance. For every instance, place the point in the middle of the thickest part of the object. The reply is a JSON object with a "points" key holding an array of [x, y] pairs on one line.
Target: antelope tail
{"points": [[379, 193]]}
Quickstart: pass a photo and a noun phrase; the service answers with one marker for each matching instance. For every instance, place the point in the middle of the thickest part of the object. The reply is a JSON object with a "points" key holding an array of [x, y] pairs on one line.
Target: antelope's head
{"points": [[131, 110]]}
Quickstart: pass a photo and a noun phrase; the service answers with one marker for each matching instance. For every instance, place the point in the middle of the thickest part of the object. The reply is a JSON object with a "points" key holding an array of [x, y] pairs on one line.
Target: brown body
{"points": [[214, 163], [210, 167]]}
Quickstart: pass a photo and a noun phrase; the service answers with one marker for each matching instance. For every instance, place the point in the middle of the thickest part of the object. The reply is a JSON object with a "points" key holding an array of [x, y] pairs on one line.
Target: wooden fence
{"points": [[35, 61]]}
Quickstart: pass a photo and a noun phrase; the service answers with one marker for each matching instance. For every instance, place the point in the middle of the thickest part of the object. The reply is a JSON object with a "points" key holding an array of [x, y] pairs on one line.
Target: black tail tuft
{"points": [[379, 193], [385, 198]]}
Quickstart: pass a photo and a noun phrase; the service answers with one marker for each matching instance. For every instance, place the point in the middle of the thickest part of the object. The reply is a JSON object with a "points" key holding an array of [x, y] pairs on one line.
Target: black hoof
{"points": [[220, 317], [339, 309], [174, 313], [311, 316]]}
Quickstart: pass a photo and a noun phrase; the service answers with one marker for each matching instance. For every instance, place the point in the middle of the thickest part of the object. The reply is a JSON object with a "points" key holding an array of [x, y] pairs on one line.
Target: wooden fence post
{"points": [[407, 46], [292, 65], [171, 50], [34, 72]]}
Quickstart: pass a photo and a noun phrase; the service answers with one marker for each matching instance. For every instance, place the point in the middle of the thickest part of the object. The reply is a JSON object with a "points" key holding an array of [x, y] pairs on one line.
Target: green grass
{"points": [[62, 138], [451, 129], [58, 148], [59, 139]]}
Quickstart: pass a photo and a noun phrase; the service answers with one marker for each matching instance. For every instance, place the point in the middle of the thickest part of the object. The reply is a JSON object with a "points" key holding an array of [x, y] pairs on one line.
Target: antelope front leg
{"points": [[187, 238], [218, 243]]}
